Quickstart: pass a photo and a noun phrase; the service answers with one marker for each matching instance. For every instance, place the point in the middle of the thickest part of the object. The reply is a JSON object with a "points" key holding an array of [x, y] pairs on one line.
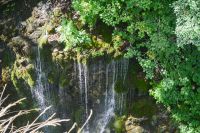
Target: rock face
{"points": [[84, 87], [20, 46]]}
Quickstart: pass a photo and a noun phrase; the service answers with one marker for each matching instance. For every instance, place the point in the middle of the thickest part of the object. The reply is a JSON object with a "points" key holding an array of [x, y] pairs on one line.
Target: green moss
{"points": [[15, 81], [117, 54], [21, 72], [57, 12], [97, 42], [6, 72], [30, 81], [89, 45], [118, 124], [110, 50], [95, 53], [119, 87]]}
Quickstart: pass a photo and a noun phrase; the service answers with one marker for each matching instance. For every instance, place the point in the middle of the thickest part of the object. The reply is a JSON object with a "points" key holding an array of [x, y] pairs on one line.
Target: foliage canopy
{"points": [[164, 37]]}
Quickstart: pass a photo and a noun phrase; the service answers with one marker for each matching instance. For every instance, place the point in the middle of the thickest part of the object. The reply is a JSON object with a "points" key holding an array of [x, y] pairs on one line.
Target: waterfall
{"points": [[83, 86], [106, 93], [86, 93], [121, 98], [75, 70], [109, 105], [125, 68], [99, 76], [41, 90], [121, 101], [80, 77], [116, 70]]}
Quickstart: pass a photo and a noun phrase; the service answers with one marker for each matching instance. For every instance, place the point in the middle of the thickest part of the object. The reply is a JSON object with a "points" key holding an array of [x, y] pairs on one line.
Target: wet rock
{"points": [[35, 24], [29, 28], [23, 24], [26, 49], [18, 41], [55, 50], [35, 35], [35, 13], [20, 46], [132, 125], [135, 129]]}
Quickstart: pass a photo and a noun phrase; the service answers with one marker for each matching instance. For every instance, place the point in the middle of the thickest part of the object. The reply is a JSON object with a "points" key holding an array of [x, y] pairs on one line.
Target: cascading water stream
{"points": [[116, 70], [83, 86], [86, 93], [40, 91], [125, 68], [106, 93], [80, 70], [110, 100], [121, 98]]}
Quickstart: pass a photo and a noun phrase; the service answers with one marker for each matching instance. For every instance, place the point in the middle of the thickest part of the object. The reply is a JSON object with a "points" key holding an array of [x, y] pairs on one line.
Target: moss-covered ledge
{"points": [[23, 69]]}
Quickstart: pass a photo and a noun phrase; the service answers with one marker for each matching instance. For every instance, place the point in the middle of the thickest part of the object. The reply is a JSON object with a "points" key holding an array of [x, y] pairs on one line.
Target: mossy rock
{"points": [[23, 70], [118, 124], [97, 53], [21, 46], [6, 74], [49, 28], [57, 12], [120, 87], [110, 50], [43, 40], [117, 54]]}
